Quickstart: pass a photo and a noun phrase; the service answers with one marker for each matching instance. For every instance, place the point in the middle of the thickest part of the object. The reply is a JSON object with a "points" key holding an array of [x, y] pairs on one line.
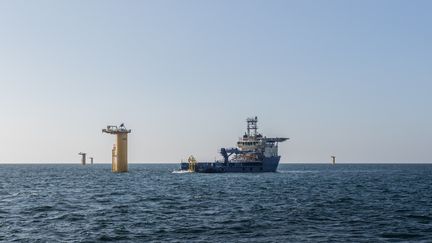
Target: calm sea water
{"points": [[342, 203]]}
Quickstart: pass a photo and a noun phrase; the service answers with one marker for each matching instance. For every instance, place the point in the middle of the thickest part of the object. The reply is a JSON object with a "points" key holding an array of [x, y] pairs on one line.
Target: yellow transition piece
{"points": [[120, 149]]}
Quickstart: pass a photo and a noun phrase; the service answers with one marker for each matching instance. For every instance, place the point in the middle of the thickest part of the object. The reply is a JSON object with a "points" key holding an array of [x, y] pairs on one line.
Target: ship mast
{"points": [[252, 126]]}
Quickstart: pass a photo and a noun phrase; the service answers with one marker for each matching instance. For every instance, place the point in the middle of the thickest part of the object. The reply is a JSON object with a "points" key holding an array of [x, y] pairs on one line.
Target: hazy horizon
{"points": [[177, 162], [351, 79]]}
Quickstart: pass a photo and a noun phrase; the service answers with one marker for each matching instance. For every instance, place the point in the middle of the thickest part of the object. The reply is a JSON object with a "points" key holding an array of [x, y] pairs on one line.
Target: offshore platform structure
{"points": [[119, 151], [83, 158]]}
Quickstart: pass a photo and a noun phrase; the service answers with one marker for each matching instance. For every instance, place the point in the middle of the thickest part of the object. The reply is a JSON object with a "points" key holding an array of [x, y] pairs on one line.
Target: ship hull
{"points": [[267, 165]]}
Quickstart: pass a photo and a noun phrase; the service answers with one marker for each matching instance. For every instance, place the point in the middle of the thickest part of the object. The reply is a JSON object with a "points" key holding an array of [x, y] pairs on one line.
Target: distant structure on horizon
{"points": [[83, 158], [333, 159]]}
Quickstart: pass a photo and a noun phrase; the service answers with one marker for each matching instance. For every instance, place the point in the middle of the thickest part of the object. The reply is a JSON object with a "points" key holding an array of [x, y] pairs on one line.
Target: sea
{"points": [[158, 203]]}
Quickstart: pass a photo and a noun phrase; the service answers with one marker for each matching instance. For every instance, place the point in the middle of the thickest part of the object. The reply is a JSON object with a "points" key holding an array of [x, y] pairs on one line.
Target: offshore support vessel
{"points": [[254, 153]]}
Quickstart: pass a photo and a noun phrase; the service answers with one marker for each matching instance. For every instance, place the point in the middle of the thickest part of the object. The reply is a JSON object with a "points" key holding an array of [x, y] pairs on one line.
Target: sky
{"points": [[345, 78]]}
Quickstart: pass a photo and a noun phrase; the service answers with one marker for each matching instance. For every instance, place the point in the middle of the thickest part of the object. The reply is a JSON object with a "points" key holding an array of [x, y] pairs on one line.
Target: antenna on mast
{"points": [[252, 126]]}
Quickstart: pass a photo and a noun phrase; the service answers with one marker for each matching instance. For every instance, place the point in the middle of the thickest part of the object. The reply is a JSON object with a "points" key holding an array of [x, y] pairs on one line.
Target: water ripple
{"points": [[72, 203]]}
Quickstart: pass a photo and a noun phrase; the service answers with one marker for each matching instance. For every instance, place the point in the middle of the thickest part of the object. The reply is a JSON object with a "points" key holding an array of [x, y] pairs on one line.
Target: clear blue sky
{"points": [[350, 78]]}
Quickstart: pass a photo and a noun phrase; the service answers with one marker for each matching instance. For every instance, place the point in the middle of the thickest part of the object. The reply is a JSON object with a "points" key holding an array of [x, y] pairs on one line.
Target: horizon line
{"points": [[297, 162]]}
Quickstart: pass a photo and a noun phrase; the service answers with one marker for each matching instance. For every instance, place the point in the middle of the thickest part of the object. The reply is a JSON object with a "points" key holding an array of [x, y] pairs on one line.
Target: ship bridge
{"points": [[252, 145]]}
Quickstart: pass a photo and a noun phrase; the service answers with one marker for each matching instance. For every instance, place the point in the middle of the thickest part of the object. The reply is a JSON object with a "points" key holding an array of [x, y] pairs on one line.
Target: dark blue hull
{"points": [[267, 165]]}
